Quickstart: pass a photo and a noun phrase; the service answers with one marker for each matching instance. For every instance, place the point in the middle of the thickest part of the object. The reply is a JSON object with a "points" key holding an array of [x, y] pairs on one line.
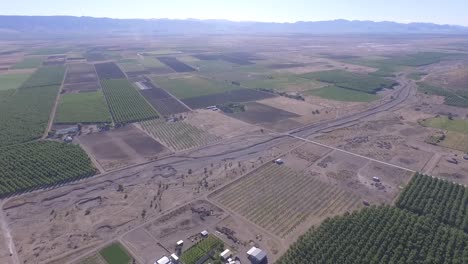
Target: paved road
{"points": [[407, 88]]}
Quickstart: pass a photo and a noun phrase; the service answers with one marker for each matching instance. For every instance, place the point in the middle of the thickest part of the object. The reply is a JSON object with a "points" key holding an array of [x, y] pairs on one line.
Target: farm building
{"points": [[256, 256], [163, 260], [204, 233], [279, 161], [180, 243], [226, 254], [174, 258]]}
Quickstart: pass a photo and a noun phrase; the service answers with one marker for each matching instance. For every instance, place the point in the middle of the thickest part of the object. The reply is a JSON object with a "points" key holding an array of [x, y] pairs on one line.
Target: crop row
{"points": [[178, 135], [41, 164], [453, 98], [202, 248], [380, 235], [125, 102], [279, 199], [46, 76]]}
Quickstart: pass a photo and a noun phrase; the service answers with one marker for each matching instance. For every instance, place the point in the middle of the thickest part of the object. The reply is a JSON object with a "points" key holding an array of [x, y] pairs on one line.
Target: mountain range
{"points": [[14, 25]]}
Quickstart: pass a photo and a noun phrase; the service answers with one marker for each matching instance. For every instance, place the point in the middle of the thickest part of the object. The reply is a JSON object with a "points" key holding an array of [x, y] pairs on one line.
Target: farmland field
{"points": [[175, 64], [342, 94], [283, 83], [25, 114], [444, 201], [93, 259], [201, 249], [358, 82], [192, 86], [28, 63], [232, 96], [455, 125], [379, 235], [46, 76], [178, 135], [453, 98], [39, 164], [125, 103], [455, 140], [279, 199], [115, 254], [50, 51], [83, 108], [109, 70], [12, 81]]}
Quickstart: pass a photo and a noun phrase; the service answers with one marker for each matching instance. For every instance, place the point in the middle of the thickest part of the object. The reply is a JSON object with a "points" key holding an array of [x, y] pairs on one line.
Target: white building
{"points": [[180, 243], [226, 254], [204, 233], [256, 255], [163, 260]]}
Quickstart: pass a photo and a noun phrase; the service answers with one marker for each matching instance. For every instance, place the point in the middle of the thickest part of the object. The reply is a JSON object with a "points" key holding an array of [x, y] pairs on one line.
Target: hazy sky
{"points": [[437, 11]]}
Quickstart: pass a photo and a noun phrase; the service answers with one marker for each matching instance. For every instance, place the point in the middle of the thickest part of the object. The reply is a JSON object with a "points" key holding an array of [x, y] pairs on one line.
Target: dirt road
{"points": [[5, 229]]}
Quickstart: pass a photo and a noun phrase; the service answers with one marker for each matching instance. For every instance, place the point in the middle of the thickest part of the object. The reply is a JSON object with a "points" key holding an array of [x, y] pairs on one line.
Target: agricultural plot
{"points": [[29, 63], [453, 98], [81, 73], [454, 140], [210, 246], [25, 114], [50, 51], [342, 94], [283, 83], [234, 58], [259, 113], [232, 96], [353, 81], [438, 199], [93, 259], [83, 108], [175, 64], [190, 86], [46, 76], [279, 199], [12, 81], [163, 102], [41, 164], [178, 135], [126, 103], [115, 254], [442, 122], [109, 70], [379, 235]]}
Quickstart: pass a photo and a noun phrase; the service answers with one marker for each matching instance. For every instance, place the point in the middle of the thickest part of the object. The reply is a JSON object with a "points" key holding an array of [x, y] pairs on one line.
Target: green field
{"points": [[150, 62], [28, 63], [132, 66], [201, 248], [125, 103], [115, 254], [41, 164], [25, 113], [45, 76], [453, 98], [283, 83], [342, 94], [83, 108], [352, 81], [454, 140], [416, 75], [50, 51], [442, 122], [12, 81], [189, 86]]}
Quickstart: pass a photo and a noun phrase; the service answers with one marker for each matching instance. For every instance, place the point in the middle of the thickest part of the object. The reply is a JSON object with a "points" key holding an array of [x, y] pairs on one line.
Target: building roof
{"points": [[257, 253], [226, 253], [180, 242], [204, 233], [163, 260], [174, 257]]}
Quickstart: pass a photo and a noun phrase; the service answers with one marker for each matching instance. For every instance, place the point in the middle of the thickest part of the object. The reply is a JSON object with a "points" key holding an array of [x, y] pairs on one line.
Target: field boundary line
{"points": [[351, 153], [54, 108]]}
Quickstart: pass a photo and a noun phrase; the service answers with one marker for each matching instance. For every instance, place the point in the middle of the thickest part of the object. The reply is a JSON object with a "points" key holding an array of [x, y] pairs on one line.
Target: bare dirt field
{"points": [[219, 124], [122, 147], [234, 96]]}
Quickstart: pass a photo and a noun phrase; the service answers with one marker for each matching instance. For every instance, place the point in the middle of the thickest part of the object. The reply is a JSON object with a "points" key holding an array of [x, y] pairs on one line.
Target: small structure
{"points": [[465, 157], [211, 107], [174, 258], [67, 131], [452, 160], [180, 243], [279, 161], [256, 255], [68, 139], [163, 260], [204, 233], [376, 179], [365, 203], [226, 254]]}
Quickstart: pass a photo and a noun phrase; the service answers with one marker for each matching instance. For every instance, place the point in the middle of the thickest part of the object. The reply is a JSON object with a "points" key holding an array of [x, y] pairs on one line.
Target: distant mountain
{"points": [[90, 25]]}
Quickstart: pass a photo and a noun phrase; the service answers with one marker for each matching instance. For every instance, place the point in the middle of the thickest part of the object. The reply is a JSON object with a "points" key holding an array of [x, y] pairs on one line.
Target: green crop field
{"points": [[342, 94], [131, 66], [379, 235], [83, 108], [189, 86], [50, 51], [201, 249], [125, 103], [456, 125], [352, 81], [40, 164], [12, 81], [453, 98], [283, 83], [115, 254], [25, 113], [456, 141], [150, 62], [178, 135], [45, 76], [28, 63]]}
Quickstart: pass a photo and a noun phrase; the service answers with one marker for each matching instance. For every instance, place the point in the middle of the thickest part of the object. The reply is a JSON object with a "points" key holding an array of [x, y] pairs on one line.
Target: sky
{"points": [[436, 11]]}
